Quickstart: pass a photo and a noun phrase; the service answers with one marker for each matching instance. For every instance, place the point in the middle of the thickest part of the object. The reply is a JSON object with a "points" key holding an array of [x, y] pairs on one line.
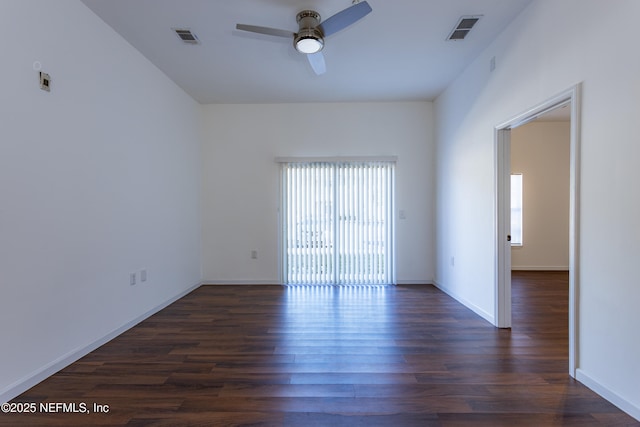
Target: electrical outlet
{"points": [[45, 81], [254, 254], [143, 275], [132, 279]]}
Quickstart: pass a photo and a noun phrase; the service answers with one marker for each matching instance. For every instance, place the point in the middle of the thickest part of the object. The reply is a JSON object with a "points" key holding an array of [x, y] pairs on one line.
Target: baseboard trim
{"points": [[480, 312], [415, 282], [239, 282], [275, 282], [540, 267], [608, 394], [39, 375]]}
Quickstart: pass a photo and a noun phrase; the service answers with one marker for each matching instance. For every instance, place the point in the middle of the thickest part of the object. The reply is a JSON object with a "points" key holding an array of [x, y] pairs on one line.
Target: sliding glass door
{"points": [[337, 222]]}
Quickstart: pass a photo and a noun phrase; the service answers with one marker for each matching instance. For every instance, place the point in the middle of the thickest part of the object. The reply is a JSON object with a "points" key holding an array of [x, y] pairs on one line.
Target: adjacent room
{"points": [[279, 212]]}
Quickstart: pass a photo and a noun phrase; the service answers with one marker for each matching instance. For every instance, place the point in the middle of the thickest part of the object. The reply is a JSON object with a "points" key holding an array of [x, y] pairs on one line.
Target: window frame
{"points": [[518, 195]]}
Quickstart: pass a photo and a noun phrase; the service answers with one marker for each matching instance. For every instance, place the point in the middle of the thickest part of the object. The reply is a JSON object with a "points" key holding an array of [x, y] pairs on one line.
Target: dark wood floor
{"points": [[343, 356]]}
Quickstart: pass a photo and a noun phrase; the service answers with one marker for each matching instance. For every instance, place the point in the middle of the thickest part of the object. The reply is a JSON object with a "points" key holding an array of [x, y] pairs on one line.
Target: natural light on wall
{"points": [[516, 210], [337, 222]]}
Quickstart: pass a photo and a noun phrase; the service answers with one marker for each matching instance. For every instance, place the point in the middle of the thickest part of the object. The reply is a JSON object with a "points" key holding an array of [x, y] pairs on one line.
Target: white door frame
{"points": [[569, 97]]}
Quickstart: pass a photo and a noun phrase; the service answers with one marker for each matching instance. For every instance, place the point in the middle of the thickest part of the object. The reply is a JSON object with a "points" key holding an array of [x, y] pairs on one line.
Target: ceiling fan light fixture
{"points": [[309, 38], [308, 44]]}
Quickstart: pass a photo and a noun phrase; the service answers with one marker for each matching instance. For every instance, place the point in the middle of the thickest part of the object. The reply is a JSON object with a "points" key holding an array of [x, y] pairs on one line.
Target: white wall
{"points": [[540, 152], [241, 178], [551, 46], [98, 178]]}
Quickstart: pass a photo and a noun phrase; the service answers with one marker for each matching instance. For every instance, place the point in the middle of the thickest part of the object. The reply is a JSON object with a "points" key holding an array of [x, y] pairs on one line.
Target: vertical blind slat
{"points": [[336, 223]]}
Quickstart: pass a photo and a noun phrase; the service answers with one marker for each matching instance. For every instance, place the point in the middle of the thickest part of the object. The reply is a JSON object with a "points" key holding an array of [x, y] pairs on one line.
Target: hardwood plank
{"points": [[288, 390], [341, 356]]}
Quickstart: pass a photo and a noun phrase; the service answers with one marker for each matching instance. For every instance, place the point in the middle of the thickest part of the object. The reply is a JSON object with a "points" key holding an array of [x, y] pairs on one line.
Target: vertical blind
{"points": [[337, 222]]}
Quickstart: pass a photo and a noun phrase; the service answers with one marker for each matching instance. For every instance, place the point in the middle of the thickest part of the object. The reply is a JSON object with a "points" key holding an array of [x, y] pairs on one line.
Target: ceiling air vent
{"points": [[186, 35], [462, 28]]}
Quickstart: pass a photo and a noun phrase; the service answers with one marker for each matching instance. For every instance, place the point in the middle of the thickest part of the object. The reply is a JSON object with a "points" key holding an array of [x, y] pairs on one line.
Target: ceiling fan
{"points": [[311, 33]]}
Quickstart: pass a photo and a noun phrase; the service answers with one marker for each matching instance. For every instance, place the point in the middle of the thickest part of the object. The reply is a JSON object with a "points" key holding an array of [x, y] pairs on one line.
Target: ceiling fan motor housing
{"points": [[308, 39]]}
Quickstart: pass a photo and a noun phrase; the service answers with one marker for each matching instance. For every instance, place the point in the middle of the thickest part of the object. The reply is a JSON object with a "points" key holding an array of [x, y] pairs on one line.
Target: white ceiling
{"points": [[397, 52]]}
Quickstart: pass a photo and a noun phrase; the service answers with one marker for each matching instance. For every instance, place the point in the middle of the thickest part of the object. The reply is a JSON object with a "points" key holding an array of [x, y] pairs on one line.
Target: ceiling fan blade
{"points": [[265, 30], [316, 60], [345, 18]]}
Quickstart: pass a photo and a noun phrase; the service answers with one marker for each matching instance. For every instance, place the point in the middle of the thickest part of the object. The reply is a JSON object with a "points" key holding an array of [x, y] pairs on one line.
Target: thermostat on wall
{"points": [[45, 81]]}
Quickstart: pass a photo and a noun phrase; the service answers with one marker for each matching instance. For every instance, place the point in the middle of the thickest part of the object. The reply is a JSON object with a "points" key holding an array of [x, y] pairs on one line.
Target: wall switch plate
{"points": [[254, 254], [143, 275], [45, 81], [132, 279]]}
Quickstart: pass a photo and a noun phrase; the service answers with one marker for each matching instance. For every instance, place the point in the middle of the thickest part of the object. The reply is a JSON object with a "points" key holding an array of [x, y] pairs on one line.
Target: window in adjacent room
{"points": [[516, 210]]}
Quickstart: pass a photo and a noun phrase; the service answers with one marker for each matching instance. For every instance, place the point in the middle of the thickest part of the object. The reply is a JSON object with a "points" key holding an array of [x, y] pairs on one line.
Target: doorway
{"points": [[571, 99]]}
